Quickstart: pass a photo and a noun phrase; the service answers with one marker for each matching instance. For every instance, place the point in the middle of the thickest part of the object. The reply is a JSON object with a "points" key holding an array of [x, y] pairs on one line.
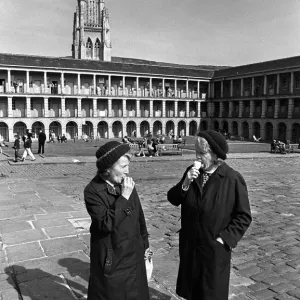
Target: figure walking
{"points": [[27, 146]]}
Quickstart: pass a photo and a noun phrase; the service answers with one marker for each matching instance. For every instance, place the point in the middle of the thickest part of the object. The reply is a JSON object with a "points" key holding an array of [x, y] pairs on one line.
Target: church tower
{"points": [[91, 31]]}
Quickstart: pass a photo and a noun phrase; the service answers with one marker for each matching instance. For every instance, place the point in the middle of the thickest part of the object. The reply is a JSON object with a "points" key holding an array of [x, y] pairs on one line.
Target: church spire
{"points": [[91, 32]]}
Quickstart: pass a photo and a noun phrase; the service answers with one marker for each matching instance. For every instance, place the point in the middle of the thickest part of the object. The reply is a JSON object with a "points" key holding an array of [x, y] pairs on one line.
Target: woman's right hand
{"points": [[192, 174], [127, 187]]}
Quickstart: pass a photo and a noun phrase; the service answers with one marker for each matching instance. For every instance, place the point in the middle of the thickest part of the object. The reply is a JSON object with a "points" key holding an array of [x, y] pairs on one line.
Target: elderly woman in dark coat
{"points": [[119, 235], [215, 214]]}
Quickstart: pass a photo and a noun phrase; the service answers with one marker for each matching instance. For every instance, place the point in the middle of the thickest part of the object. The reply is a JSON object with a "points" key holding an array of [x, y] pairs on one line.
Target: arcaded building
{"points": [[97, 94]]}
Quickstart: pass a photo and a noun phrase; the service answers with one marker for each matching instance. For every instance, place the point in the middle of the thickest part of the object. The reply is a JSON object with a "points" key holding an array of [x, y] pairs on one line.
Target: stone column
{"points": [[251, 108], [240, 128], [80, 129], [9, 107], [138, 131], [124, 108], [253, 87], [27, 82], [222, 88], [28, 107], [213, 90], [137, 86], [241, 108], [187, 89], [95, 108], [9, 81], [292, 83], [95, 130], [187, 109], [63, 107], [163, 87], [290, 108], [176, 109], [150, 87], [230, 109], [187, 129], [278, 84], [289, 132], [242, 87], [231, 88], [151, 108], [164, 108], [209, 90], [94, 86], [138, 108], [276, 110], [46, 108], [79, 107], [62, 82], [124, 84], [175, 128], [109, 108], [263, 108], [265, 84], [47, 131], [79, 84], [110, 133], [175, 86], [11, 137], [199, 109], [198, 90], [45, 82], [221, 109], [250, 130], [109, 85]]}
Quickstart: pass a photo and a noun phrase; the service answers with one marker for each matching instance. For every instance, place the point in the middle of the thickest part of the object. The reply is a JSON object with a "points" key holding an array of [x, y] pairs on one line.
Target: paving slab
{"points": [[265, 264]]}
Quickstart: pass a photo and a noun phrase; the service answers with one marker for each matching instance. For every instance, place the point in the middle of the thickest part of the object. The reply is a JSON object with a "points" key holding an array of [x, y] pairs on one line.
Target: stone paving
{"points": [[45, 239]]}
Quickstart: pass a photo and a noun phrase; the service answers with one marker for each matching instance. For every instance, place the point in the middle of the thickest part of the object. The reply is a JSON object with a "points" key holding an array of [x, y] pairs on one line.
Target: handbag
{"points": [[148, 263]]}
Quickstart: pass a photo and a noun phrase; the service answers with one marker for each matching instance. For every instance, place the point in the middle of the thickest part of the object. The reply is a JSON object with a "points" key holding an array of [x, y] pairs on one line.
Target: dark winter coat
{"points": [[119, 239], [27, 143], [42, 137], [16, 144], [220, 209]]}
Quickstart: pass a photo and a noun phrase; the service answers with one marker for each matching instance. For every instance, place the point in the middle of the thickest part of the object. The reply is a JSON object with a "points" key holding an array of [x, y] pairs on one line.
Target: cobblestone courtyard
{"points": [[45, 239]]}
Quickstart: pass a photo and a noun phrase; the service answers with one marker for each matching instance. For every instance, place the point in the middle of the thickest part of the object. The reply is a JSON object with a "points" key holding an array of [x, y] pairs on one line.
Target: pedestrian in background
{"points": [[41, 139], [27, 146], [119, 236], [215, 214], [17, 147]]}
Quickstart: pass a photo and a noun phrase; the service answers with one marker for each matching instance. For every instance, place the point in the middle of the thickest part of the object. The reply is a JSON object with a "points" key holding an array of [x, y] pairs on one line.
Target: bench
{"points": [[179, 142], [290, 148], [136, 148], [168, 149]]}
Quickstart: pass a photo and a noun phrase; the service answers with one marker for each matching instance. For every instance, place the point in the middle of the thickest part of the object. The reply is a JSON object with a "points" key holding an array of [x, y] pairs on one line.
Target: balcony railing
{"points": [[54, 113], [37, 113], [270, 114], [3, 114], [71, 113], [116, 114], [145, 113], [102, 113], [86, 113]]}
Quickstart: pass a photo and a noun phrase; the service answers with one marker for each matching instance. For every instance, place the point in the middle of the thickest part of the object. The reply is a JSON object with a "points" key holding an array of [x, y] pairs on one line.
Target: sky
{"points": [[197, 32]]}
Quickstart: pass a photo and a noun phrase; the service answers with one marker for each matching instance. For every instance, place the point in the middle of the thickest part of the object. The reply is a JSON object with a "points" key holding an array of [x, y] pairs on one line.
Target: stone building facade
{"points": [[100, 95]]}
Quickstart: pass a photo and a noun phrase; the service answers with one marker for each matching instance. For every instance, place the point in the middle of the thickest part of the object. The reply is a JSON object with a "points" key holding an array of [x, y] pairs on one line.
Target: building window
{"points": [[89, 49], [283, 81], [97, 50], [13, 104]]}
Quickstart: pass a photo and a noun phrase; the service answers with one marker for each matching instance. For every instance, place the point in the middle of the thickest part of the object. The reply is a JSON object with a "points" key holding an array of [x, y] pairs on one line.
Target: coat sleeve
{"points": [[176, 194], [241, 217], [106, 218], [143, 227]]}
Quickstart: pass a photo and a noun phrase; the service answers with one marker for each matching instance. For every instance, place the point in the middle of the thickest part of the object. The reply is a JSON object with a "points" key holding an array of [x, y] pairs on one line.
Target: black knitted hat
{"points": [[216, 141], [109, 153]]}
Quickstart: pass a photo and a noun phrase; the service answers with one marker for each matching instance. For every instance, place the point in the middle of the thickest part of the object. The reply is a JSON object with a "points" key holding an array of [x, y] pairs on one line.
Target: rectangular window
{"points": [[13, 104], [283, 81]]}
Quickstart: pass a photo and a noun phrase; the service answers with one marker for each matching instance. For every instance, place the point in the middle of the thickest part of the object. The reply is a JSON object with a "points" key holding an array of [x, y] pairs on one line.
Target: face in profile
{"points": [[203, 153], [119, 170]]}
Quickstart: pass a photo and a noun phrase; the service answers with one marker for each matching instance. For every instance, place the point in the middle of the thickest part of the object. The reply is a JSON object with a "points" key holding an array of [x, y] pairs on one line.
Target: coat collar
{"points": [[102, 185]]}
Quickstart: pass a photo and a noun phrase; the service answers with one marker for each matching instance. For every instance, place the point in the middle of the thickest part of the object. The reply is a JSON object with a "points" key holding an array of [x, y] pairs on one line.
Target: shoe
{"points": [[22, 160], [33, 160], [150, 155]]}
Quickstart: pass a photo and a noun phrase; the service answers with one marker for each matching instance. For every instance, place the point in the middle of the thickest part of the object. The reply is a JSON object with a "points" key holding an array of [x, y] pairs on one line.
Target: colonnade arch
{"points": [[144, 128], [102, 129], [181, 128], [130, 128], [193, 128], [3, 131], [87, 128], [117, 129], [20, 128]]}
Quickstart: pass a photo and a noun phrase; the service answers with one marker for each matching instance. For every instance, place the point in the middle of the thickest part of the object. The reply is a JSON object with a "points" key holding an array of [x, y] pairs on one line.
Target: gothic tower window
{"points": [[89, 49], [97, 49]]}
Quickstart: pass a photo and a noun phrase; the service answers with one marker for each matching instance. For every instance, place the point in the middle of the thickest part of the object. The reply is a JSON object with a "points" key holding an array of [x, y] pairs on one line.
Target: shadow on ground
{"points": [[37, 284]]}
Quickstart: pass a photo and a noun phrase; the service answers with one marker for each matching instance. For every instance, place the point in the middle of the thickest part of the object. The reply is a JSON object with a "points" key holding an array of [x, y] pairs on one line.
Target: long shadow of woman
{"points": [[36, 284]]}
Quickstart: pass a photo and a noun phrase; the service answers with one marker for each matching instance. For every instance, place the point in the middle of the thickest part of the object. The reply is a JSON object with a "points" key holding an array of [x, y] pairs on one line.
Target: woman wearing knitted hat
{"points": [[215, 214], [119, 236]]}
